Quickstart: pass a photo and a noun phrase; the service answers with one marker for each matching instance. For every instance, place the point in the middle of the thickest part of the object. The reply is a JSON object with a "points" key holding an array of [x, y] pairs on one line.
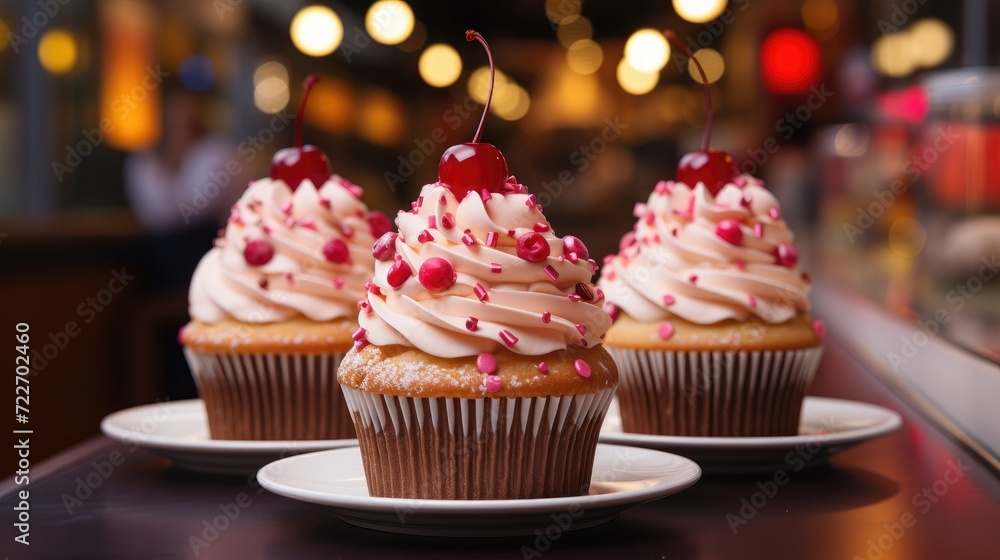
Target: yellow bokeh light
{"points": [[907, 237], [272, 69], [711, 61], [271, 94], [57, 51], [331, 105], [699, 11], [558, 10], [389, 22], [317, 30], [574, 28], [819, 15], [933, 40], [381, 118], [647, 50], [584, 57], [440, 65], [636, 81], [894, 55], [513, 105], [479, 84]]}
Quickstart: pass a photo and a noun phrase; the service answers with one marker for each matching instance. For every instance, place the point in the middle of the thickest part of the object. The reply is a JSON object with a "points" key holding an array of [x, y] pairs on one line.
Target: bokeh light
{"points": [[574, 28], [790, 61], [711, 61], [4, 33], [513, 104], [933, 41], [558, 10], [907, 237], [819, 15], [271, 69], [57, 51], [635, 81], [271, 95], [851, 140], [647, 50], [479, 84], [584, 57], [197, 73], [894, 55], [317, 30], [699, 11], [389, 22], [440, 65]]}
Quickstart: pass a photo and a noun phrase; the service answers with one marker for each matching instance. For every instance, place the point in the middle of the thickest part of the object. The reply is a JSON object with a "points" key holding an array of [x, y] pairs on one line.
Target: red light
{"points": [[789, 61]]}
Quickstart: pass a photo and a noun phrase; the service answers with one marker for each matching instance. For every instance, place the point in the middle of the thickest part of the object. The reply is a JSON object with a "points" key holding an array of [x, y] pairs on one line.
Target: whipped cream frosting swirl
{"points": [[300, 280], [498, 299], [677, 263]]}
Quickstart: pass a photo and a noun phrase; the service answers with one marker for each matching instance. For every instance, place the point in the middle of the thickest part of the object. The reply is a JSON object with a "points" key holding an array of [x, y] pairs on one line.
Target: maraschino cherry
{"points": [[712, 167], [474, 166], [294, 165]]}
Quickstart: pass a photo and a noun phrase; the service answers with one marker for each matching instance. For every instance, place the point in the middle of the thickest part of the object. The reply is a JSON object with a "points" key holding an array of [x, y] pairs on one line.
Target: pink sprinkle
{"points": [[531, 201], [480, 292], [582, 328], [420, 201], [371, 287], [266, 230], [413, 207], [359, 334], [673, 232], [362, 304], [508, 337], [431, 222], [360, 345], [308, 222], [693, 278], [546, 316], [582, 367], [338, 282], [355, 190], [610, 275], [745, 202], [758, 230], [324, 202], [347, 231], [511, 233], [493, 383], [496, 268], [751, 301], [668, 299], [472, 324], [666, 330], [551, 272], [491, 238], [740, 264], [541, 227], [662, 188], [486, 195], [447, 221], [262, 283], [290, 222], [583, 342], [819, 327], [180, 335], [639, 210], [600, 293], [542, 367], [575, 297], [286, 207], [486, 362], [425, 236], [740, 181], [649, 218], [469, 239], [443, 201], [612, 310], [773, 212]]}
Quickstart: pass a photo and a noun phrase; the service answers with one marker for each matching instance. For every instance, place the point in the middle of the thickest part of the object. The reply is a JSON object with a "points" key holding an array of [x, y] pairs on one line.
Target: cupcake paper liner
{"points": [[477, 449], [748, 393], [271, 396]]}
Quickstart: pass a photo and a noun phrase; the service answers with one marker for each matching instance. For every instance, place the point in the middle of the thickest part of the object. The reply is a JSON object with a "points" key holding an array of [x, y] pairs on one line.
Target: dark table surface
{"points": [[912, 494]]}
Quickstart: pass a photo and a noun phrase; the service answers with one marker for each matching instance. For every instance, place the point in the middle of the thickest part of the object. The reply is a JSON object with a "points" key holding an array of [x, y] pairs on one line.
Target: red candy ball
{"points": [[336, 251], [380, 223], [384, 248], [786, 255], [574, 245], [730, 232], [533, 247], [258, 252], [437, 274]]}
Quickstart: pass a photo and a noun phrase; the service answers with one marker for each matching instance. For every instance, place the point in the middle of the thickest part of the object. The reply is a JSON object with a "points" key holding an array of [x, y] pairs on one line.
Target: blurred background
{"points": [[128, 127]]}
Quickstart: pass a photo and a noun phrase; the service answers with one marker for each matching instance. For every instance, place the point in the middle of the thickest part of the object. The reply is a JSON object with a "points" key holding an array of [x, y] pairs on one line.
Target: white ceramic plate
{"points": [[623, 477], [827, 427], [179, 431]]}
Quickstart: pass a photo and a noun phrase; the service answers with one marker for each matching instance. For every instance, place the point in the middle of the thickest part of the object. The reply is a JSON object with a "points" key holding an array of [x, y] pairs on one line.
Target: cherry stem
{"points": [[471, 36], [311, 80], [673, 38]]}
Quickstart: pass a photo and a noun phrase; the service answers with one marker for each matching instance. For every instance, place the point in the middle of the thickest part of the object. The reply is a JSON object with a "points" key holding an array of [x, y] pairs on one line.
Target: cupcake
{"points": [[712, 333], [273, 304], [478, 371]]}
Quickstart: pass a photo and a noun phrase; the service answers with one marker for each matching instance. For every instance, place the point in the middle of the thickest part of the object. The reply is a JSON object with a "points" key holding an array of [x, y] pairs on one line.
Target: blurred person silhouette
{"points": [[181, 192]]}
